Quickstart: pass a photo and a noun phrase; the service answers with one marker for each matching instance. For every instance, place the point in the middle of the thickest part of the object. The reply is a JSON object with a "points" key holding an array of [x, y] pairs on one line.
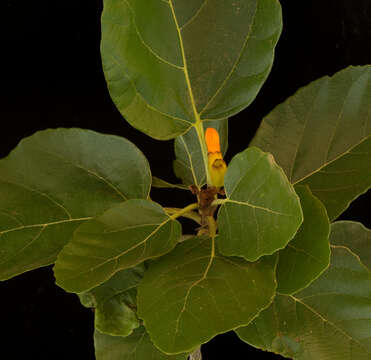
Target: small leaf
{"points": [[307, 255], [355, 237], [197, 61], [137, 346], [262, 211], [159, 183], [114, 302], [189, 165], [192, 294], [54, 181], [122, 237], [321, 137], [330, 319]]}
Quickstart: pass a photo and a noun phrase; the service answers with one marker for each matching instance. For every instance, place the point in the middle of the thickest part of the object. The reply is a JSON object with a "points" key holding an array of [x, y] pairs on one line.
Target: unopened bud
{"points": [[217, 166]]}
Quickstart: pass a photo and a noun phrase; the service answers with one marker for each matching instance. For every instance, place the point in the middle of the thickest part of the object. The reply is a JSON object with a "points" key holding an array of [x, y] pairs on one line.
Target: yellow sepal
{"points": [[217, 169]]}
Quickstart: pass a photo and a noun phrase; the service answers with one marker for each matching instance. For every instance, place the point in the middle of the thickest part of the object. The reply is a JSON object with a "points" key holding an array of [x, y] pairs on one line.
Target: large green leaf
{"points": [[188, 164], [321, 137], [192, 294], [114, 302], [307, 255], [355, 237], [122, 237], [54, 181], [170, 64], [137, 346], [330, 319], [262, 211]]}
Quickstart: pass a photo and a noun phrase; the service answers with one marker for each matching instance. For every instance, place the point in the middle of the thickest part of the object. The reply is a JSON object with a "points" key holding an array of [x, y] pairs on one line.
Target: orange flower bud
{"points": [[217, 166]]}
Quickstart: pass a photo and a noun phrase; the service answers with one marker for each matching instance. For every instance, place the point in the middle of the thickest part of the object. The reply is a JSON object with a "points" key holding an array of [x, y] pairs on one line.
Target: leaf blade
{"points": [[136, 346], [122, 237], [307, 255], [331, 318], [55, 180], [262, 212], [172, 69], [114, 302], [198, 285], [327, 129]]}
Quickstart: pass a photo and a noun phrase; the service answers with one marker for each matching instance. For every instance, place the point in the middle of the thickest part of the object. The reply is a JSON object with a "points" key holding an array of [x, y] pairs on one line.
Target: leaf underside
{"points": [[114, 302], [134, 347]]}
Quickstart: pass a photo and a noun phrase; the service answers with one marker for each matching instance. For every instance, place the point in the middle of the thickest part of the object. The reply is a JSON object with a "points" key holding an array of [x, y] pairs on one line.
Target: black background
{"points": [[51, 76]]}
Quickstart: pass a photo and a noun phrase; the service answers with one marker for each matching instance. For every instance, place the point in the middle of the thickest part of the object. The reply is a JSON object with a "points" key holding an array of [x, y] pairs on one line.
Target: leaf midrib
{"points": [[296, 300], [348, 151], [45, 225], [115, 258]]}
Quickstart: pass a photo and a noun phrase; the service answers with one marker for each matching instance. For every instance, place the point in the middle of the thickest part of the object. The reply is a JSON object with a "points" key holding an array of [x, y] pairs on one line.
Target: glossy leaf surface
{"points": [[189, 165], [321, 137], [114, 302], [307, 255], [170, 64], [122, 237], [355, 237], [137, 346], [262, 211], [330, 319], [54, 181], [192, 294]]}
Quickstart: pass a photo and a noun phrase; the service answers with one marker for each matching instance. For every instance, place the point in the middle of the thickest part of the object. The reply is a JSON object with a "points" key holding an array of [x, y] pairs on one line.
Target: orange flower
{"points": [[217, 166]]}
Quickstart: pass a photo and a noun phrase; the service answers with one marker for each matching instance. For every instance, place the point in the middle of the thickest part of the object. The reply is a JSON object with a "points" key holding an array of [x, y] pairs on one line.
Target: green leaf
{"points": [[262, 211], [197, 61], [137, 346], [114, 302], [307, 255], [188, 165], [330, 319], [122, 237], [192, 294], [355, 237], [162, 184], [54, 181], [321, 137]]}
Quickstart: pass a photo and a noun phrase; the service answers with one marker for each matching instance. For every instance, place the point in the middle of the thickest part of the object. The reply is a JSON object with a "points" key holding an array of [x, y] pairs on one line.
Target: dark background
{"points": [[52, 77]]}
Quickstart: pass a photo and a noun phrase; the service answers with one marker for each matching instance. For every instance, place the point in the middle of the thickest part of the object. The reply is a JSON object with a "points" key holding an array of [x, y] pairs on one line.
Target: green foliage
{"points": [[56, 180], [197, 61], [134, 347], [258, 192], [97, 250], [261, 262], [115, 302], [330, 319], [188, 164], [308, 254], [321, 137], [195, 285]]}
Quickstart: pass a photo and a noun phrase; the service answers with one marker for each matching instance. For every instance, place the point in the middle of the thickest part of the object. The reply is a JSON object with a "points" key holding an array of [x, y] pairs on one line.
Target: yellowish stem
{"points": [[198, 123], [184, 211], [201, 137], [212, 226], [189, 215]]}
